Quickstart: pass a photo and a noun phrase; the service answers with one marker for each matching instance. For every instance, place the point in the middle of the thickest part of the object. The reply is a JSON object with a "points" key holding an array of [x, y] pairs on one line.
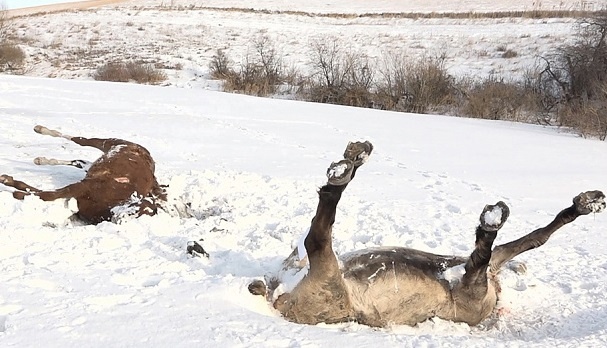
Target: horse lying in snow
{"points": [[120, 181], [361, 286]]}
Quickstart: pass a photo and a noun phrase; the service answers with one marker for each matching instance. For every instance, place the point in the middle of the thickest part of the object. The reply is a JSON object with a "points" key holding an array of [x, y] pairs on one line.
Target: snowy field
{"points": [[250, 168], [182, 36]]}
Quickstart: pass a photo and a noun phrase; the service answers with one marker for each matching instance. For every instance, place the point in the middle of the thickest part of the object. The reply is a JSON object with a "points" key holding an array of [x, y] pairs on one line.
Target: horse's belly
{"points": [[398, 299]]}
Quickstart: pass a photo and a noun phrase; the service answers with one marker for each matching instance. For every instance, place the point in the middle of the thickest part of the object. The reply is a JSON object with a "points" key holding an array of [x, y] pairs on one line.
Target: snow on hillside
{"points": [[183, 40], [386, 6], [250, 168]]}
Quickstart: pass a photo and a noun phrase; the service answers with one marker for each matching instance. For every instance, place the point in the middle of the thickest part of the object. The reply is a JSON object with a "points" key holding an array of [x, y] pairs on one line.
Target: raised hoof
{"points": [[494, 217], [340, 173], [45, 131], [258, 287], [196, 249], [6, 179], [589, 202], [358, 152]]}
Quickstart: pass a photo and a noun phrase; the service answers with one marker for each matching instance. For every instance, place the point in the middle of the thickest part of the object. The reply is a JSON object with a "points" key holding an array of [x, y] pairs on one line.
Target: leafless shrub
{"points": [[418, 86], [261, 73], [12, 58], [131, 71], [575, 77], [589, 120], [221, 66], [496, 99], [339, 76], [509, 54]]}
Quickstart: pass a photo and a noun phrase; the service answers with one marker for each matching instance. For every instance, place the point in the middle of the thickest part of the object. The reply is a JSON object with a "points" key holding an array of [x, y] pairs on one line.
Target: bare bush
{"points": [[575, 77], [12, 58], [221, 66], [339, 76], [496, 99], [131, 71], [418, 86], [509, 54], [261, 73], [589, 120]]}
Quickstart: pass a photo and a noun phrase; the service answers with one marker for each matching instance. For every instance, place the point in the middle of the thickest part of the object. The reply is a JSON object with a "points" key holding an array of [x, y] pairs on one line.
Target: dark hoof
{"points": [[340, 173], [6, 179], [494, 217], [589, 202], [258, 287], [358, 152], [196, 249], [20, 195]]}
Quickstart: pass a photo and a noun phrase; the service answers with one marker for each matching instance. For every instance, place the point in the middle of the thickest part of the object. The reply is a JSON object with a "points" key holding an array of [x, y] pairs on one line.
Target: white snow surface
{"points": [[182, 36], [493, 217], [250, 168]]}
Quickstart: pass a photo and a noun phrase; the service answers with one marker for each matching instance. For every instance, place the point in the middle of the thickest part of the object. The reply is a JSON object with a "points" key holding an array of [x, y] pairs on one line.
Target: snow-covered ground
{"points": [[250, 168], [182, 36]]}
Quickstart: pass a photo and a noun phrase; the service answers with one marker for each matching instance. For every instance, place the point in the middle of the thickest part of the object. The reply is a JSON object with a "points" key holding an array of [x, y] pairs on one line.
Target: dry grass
{"points": [[12, 58], [130, 72], [537, 14]]}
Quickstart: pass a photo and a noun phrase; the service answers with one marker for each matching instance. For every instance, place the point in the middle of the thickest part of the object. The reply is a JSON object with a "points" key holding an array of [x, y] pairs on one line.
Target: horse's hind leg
{"points": [[471, 296], [103, 144], [19, 185], [43, 161], [492, 219], [583, 204], [24, 189]]}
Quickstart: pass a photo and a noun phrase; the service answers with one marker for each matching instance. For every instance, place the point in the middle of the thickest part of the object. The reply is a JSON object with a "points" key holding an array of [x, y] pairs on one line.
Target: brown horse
{"points": [[396, 285], [121, 181]]}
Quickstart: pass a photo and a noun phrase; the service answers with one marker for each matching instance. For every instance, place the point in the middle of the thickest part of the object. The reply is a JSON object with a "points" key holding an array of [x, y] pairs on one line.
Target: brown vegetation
{"points": [[261, 73], [12, 57], [574, 80], [131, 71], [568, 89]]}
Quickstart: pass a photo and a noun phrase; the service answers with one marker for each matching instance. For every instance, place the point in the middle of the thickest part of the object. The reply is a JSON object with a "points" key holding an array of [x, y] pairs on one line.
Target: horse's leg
{"points": [[19, 185], [43, 161], [470, 295], [357, 154], [25, 189], [321, 296], [583, 204], [318, 242], [102, 144]]}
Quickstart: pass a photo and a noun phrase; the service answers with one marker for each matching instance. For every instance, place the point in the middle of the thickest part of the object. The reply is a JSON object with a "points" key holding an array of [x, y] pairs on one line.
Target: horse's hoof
{"points": [[494, 217], [258, 287], [6, 179], [196, 249], [358, 152], [340, 173], [589, 202]]}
